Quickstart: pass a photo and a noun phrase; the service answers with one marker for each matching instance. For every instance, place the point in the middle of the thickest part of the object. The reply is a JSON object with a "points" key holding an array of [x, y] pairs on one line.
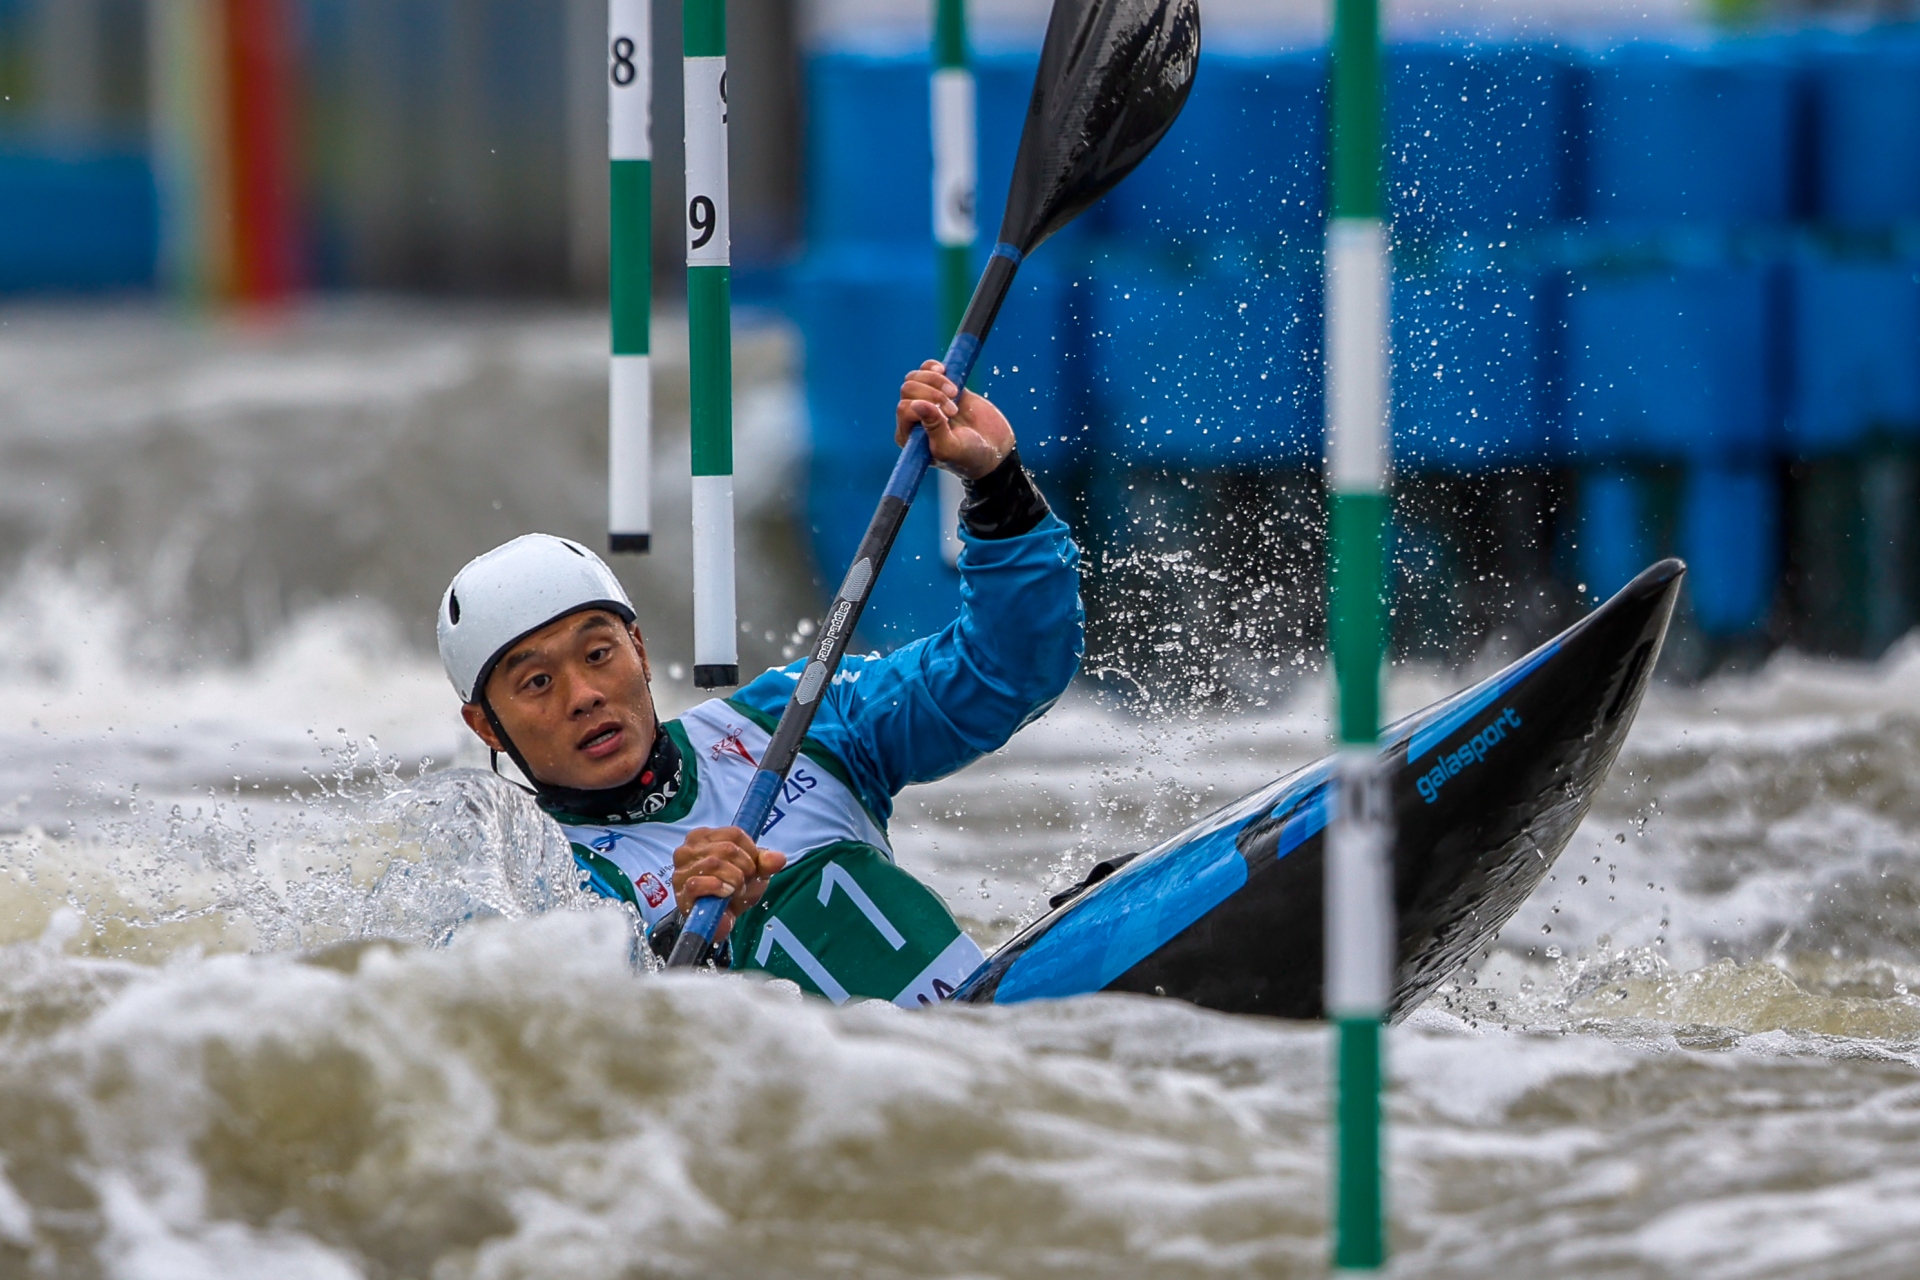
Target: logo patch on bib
{"points": [[730, 744], [651, 889]]}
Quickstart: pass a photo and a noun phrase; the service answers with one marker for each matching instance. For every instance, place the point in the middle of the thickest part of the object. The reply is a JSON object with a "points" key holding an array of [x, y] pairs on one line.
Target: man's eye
{"points": [[599, 654], [540, 681]]}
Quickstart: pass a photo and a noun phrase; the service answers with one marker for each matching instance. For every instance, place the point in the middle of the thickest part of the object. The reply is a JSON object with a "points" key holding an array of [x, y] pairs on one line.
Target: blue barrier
{"points": [[1477, 137], [868, 138], [1729, 537], [867, 317], [1856, 354], [1671, 366], [1728, 533], [87, 222], [1470, 371], [1245, 162], [1214, 368], [1476, 140], [1866, 133], [1023, 369], [1680, 135], [1601, 261], [1614, 538], [1005, 86], [868, 143], [1223, 369]]}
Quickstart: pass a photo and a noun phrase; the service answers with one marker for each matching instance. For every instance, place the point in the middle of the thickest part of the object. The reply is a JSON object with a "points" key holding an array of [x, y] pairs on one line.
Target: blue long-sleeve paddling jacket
{"points": [[938, 704]]}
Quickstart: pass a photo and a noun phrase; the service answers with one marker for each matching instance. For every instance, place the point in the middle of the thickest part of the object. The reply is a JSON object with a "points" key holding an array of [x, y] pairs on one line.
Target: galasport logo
{"points": [[1469, 753]]}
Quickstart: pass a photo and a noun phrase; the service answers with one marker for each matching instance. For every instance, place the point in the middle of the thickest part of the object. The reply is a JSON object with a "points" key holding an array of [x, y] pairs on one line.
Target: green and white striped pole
{"points": [[630, 274], [716, 661], [955, 165], [1359, 900]]}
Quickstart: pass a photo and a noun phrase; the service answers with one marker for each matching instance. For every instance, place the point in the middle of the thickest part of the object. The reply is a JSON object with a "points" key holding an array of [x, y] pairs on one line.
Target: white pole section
{"points": [[630, 274]]}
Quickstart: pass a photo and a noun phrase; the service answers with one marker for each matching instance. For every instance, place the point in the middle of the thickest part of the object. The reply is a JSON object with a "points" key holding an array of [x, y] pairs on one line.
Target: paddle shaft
{"points": [[836, 629]]}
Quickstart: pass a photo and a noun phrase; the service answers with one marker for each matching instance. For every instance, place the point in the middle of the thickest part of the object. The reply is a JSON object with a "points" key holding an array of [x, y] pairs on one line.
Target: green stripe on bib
{"points": [[844, 922]]}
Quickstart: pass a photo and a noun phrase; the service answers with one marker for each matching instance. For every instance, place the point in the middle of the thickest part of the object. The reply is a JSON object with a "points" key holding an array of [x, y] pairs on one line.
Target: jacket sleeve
{"points": [[942, 702]]}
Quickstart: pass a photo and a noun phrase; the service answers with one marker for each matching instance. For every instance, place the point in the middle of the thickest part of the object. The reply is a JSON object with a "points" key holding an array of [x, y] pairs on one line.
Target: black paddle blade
{"points": [[1113, 75]]}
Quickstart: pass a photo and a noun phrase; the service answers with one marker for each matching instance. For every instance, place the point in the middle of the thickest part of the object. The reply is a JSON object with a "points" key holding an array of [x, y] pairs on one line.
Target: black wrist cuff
{"points": [[1004, 503]]}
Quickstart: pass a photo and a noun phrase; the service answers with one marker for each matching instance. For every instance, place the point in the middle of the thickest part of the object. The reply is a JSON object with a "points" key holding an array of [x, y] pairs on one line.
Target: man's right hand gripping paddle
{"points": [[1113, 76]]}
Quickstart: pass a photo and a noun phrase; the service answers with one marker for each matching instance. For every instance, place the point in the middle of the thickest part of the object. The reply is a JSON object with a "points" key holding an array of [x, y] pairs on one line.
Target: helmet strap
{"points": [[513, 752]]}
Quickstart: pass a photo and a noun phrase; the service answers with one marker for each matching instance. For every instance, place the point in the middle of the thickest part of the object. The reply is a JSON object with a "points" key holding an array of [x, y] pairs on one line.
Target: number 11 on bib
{"points": [[710, 343]]}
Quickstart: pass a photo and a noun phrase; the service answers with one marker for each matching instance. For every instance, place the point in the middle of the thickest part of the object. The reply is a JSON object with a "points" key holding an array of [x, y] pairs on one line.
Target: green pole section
{"points": [[630, 268], [1359, 906], [955, 171], [1356, 110], [716, 660], [954, 164]]}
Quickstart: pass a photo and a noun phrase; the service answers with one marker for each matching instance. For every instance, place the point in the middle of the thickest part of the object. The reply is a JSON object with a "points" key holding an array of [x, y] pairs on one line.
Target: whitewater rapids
{"points": [[277, 1001]]}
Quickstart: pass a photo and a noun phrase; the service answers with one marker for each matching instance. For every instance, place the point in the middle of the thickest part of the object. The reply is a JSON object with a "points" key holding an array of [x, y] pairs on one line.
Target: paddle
{"points": [[1113, 75]]}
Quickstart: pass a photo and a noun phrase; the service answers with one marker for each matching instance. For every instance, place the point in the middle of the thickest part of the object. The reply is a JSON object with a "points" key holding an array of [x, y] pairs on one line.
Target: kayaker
{"points": [[544, 648]]}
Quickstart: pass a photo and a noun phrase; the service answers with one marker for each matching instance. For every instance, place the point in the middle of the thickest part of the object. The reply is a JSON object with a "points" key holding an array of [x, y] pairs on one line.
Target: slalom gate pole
{"points": [[716, 662], [955, 166], [1359, 901], [630, 274]]}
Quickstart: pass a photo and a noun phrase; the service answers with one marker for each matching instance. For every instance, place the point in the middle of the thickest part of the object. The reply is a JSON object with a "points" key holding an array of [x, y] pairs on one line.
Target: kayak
{"points": [[1487, 787]]}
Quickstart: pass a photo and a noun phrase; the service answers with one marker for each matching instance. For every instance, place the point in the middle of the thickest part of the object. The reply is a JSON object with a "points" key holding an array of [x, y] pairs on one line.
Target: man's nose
{"points": [[584, 695]]}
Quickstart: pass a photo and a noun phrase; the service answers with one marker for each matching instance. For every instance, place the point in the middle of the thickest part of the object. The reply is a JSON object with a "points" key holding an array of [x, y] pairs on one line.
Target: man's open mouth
{"points": [[601, 740]]}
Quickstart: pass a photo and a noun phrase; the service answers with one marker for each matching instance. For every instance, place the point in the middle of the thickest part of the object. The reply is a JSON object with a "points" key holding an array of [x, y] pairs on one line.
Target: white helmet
{"points": [[511, 592]]}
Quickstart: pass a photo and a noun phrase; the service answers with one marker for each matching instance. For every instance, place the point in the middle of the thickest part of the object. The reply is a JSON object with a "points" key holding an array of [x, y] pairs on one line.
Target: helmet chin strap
{"points": [[513, 752]]}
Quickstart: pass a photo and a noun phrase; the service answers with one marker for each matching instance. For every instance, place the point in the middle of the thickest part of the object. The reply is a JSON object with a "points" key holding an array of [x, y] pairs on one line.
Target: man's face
{"points": [[573, 696]]}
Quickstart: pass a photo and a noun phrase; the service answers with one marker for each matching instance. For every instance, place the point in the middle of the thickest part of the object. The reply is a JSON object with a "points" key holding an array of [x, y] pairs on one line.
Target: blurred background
{"points": [[302, 303]]}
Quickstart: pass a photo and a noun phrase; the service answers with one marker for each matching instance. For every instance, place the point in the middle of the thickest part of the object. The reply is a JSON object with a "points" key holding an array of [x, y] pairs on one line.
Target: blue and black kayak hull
{"points": [[1488, 787]]}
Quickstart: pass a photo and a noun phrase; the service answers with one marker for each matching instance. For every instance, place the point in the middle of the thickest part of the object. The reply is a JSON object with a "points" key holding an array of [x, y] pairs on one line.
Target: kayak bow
{"points": [[1488, 787]]}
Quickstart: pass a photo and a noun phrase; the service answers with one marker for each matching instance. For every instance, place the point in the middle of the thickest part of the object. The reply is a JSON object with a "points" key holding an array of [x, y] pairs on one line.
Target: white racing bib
{"points": [[723, 749], [847, 923]]}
